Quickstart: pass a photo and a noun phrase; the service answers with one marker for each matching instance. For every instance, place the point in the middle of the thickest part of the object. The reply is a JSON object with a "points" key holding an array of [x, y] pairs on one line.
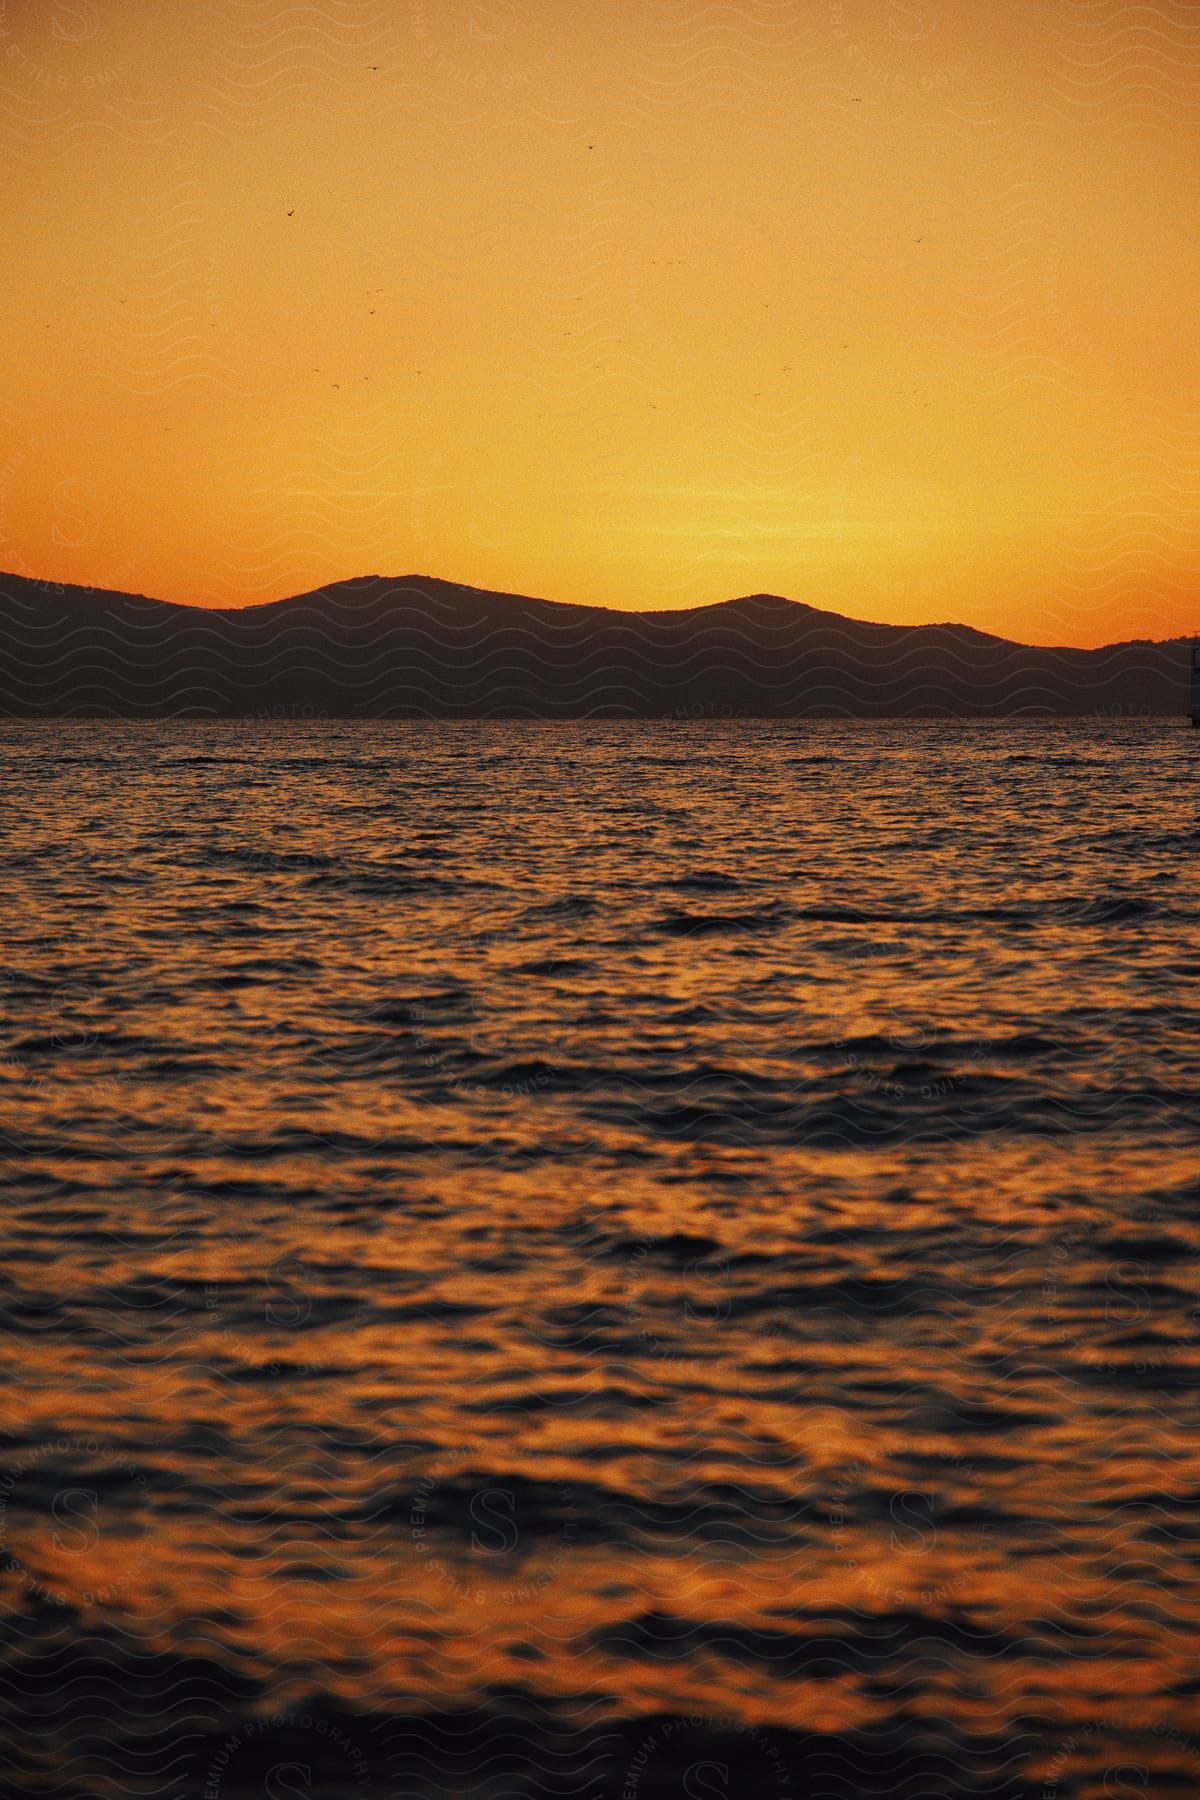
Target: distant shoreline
{"points": [[417, 647]]}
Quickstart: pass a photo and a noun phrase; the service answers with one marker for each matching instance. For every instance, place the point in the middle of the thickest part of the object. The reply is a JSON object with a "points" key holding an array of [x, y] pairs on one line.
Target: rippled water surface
{"points": [[600, 1260]]}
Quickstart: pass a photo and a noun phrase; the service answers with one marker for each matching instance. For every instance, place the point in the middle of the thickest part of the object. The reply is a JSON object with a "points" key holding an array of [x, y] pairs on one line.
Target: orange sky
{"points": [[882, 304]]}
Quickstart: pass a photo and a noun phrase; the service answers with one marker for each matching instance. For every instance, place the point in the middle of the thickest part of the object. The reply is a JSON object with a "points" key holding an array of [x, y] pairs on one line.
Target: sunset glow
{"points": [[886, 308], [599, 705]]}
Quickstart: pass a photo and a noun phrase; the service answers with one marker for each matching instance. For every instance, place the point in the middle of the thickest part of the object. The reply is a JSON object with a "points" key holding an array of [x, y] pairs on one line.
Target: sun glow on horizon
{"points": [[885, 308]]}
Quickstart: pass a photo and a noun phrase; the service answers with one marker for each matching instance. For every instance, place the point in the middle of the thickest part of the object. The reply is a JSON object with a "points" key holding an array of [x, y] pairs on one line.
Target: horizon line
{"points": [[944, 624]]}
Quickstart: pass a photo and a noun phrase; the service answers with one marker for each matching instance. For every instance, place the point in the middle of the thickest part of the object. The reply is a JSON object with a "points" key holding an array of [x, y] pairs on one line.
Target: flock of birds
{"points": [[671, 263]]}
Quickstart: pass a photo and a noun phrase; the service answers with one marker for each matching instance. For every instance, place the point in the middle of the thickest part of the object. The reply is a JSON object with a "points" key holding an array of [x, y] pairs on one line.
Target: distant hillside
{"points": [[419, 647]]}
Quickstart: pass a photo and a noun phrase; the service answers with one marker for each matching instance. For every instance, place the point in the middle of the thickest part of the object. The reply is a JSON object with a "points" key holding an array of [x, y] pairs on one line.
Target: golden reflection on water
{"points": [[453, 1260]]}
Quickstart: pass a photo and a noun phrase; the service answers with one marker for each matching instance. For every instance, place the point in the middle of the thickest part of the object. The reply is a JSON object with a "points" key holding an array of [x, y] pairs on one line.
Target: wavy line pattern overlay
{"points": [[599, 1205]]}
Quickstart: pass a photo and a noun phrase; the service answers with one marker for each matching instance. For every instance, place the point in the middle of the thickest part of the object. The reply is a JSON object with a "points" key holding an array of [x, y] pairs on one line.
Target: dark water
{"points": [[600, 1260]]}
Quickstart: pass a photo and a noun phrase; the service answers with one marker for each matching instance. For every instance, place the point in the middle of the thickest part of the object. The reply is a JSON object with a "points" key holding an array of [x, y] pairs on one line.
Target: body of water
{"points": [[600, 1260]]}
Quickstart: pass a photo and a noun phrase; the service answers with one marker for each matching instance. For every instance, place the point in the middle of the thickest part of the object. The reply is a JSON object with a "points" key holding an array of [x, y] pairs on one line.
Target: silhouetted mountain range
{"points": [[419, 647]]}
